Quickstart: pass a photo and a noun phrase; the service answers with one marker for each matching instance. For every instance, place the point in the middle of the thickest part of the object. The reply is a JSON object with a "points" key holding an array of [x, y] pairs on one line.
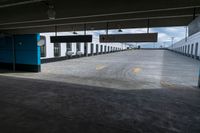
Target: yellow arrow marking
{"points": [[136, 70], [100, 67], [166, 84]]}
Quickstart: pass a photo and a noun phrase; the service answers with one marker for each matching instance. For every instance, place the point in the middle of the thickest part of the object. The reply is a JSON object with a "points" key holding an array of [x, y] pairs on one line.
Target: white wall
{"points": [[50, 46], [74, 48], [63, 49], [194, 39]]}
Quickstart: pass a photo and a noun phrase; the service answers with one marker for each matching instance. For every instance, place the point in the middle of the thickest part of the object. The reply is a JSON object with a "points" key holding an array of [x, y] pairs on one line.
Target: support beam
{"points": [[107, 28], [194, 14], [21, 3], [148, 25]]}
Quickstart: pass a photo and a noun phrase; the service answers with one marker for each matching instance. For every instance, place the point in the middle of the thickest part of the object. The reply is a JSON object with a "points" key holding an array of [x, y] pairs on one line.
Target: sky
{"points": [[164, 35]]}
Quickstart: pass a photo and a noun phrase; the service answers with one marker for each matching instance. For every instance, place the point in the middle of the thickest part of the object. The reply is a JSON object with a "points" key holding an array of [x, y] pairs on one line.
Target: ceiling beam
{"points": [[20, 3], [105, 15]]}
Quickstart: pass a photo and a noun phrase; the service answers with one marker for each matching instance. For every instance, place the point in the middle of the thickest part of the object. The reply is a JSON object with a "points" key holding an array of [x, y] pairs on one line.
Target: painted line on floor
{"points": [[100, 67], [136, 70], [167, 84]]}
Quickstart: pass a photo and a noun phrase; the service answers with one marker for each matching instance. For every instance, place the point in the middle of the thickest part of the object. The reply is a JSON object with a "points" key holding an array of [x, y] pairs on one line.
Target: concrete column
{"points": [[85, 49], [97, 49], [92, 49]]}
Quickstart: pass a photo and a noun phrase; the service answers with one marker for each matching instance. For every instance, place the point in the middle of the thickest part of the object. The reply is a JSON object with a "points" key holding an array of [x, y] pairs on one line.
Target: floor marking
{"points": [[136, 70], [167, 84], [100, 67]]}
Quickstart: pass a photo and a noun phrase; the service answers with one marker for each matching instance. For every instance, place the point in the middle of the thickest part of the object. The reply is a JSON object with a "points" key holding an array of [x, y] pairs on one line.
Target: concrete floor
{"points": [[141, 92], [138, 69], [36, 106]]}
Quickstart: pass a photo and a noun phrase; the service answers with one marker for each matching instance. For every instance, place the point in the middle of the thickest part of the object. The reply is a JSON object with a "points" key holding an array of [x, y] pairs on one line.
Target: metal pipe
{"points": [[56, 31], [107, 28], [148, 25], [194, 14], [85, 29]]}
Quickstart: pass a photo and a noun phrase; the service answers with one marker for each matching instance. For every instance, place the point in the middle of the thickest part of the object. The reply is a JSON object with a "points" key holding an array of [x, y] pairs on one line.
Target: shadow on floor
{"points": [[37, 106], [7, 71]]}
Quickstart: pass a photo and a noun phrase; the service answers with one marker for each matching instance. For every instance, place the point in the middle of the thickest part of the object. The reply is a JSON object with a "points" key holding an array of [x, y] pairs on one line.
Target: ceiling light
{"points": [[51, 12], [120, 30], [75, 33]]}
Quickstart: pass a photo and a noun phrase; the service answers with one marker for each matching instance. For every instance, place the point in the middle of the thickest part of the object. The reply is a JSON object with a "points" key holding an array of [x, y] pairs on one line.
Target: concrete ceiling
{"points": [[30, 16]]}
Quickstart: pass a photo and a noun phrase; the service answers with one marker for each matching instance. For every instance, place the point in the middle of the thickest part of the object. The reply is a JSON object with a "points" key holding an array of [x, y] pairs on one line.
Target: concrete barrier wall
{"points": [[189, 46]]}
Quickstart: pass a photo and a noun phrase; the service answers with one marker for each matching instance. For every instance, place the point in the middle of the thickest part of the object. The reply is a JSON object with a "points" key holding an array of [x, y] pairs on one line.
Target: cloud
{"points": [[177, 32], [163, 37]]}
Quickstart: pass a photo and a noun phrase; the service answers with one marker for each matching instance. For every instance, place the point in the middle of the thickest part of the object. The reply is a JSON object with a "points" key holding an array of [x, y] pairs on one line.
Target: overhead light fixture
{"points": [[120, 30], [51, 12], [74, 30], [75, 33]]}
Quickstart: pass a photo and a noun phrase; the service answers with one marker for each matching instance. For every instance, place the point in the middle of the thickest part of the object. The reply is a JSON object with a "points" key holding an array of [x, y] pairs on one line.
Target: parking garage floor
{"points": [[136, 69], [133, 91]]}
